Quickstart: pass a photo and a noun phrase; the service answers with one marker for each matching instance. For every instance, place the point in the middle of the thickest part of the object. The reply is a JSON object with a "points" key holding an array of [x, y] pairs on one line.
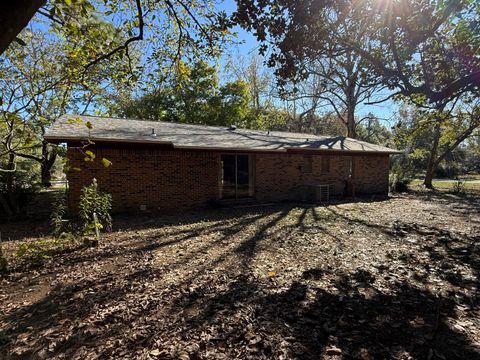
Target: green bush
{"points": [[23, 190], [93, 201], [36, 252], [58, 213], [39, 251], [398, 180]]}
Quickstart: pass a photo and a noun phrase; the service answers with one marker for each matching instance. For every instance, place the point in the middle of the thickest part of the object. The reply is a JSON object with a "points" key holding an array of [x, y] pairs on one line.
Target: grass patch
{"points": [[447, 185], [471, 177]]}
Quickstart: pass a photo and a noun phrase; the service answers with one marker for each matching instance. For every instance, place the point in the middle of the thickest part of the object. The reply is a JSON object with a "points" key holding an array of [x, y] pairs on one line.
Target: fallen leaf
{"points": [[155, 352], [333, 350]]}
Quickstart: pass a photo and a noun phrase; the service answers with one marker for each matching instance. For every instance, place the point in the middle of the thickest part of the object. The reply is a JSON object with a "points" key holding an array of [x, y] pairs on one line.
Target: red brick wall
{"points": [[169, 179], [371, 174], [157, 179], [280, 176]]}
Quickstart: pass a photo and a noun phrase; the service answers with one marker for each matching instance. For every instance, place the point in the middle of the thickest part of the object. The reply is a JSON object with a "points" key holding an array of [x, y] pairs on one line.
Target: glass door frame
{"points": [[251, 176]]}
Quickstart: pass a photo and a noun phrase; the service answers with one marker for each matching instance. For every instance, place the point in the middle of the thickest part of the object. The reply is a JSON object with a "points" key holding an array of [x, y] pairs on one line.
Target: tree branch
{"points": [[125, 45], [31, 157]]}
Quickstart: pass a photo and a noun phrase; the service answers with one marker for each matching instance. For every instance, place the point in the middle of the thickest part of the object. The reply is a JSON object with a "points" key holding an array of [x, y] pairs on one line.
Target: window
{"points": [[307, 164], [325, 164]]}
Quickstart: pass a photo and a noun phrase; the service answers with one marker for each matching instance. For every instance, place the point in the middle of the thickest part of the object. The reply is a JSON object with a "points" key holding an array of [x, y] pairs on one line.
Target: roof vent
{"points": [[232, 127], [154, 134]]}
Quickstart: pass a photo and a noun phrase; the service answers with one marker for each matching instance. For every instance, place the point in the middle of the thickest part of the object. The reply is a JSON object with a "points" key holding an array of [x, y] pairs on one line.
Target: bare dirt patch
{"points": [[393, 279]]}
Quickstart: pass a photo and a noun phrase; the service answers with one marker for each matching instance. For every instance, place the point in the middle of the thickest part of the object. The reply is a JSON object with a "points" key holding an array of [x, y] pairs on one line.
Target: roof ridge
{"points": [[187, 135], [220, 127]]}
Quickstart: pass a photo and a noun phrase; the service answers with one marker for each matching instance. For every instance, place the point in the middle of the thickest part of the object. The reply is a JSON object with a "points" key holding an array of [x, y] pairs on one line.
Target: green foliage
{"points": [[420, 50], [455, 154], [374, 132], [57, 218], [94, 201], [172, 29], [471, 162], [89, 156], [192, 94], [18, 188], [74, 50], [36, 252], [106, 163], [398, 179], [42, 82]]}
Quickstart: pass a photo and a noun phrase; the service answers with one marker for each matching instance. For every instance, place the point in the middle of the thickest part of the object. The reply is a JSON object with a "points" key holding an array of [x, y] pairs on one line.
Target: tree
{"points": [[417, 48], [38, 92], [449, 133], [426, 52], [16, 177], [189, 23], [471, 164], [337, 84], [420, 131], [337, 79], [192, 94], [371, 130], [86, 45], [40, 82], [259, 83]]}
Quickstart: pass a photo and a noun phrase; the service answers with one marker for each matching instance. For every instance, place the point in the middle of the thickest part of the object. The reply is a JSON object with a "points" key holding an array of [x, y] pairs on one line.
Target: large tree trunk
{"points": [[11, 195], [351, 106], [48, 159], [351, 128], [432, 160], [14, 16]]}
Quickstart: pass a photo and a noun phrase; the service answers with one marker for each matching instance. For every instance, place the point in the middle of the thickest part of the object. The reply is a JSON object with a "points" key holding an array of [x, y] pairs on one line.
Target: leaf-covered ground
{"points": [[393, 279]]}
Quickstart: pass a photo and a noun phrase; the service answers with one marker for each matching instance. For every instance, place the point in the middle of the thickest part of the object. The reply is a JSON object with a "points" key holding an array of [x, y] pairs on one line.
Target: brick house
{"points": [[167, 166]]}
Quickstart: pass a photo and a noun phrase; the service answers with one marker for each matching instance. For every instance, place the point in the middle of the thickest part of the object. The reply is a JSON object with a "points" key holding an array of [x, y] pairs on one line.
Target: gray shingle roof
{"points": [[70, 128]]}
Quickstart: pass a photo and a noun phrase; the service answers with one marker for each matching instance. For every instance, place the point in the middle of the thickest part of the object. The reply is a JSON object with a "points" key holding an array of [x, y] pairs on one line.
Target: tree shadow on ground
{"points": [[209, 303], [467, 202], [444, 247], [77, 301], [353, 318], [308, 323]]}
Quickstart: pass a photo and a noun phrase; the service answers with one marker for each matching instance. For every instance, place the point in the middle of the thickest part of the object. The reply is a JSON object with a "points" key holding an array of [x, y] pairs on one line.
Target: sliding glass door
{"points": [[236, 176]]}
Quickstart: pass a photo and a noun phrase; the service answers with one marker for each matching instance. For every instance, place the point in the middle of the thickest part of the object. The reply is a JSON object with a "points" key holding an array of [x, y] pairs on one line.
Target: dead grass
{"points": [[394, 279]]}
